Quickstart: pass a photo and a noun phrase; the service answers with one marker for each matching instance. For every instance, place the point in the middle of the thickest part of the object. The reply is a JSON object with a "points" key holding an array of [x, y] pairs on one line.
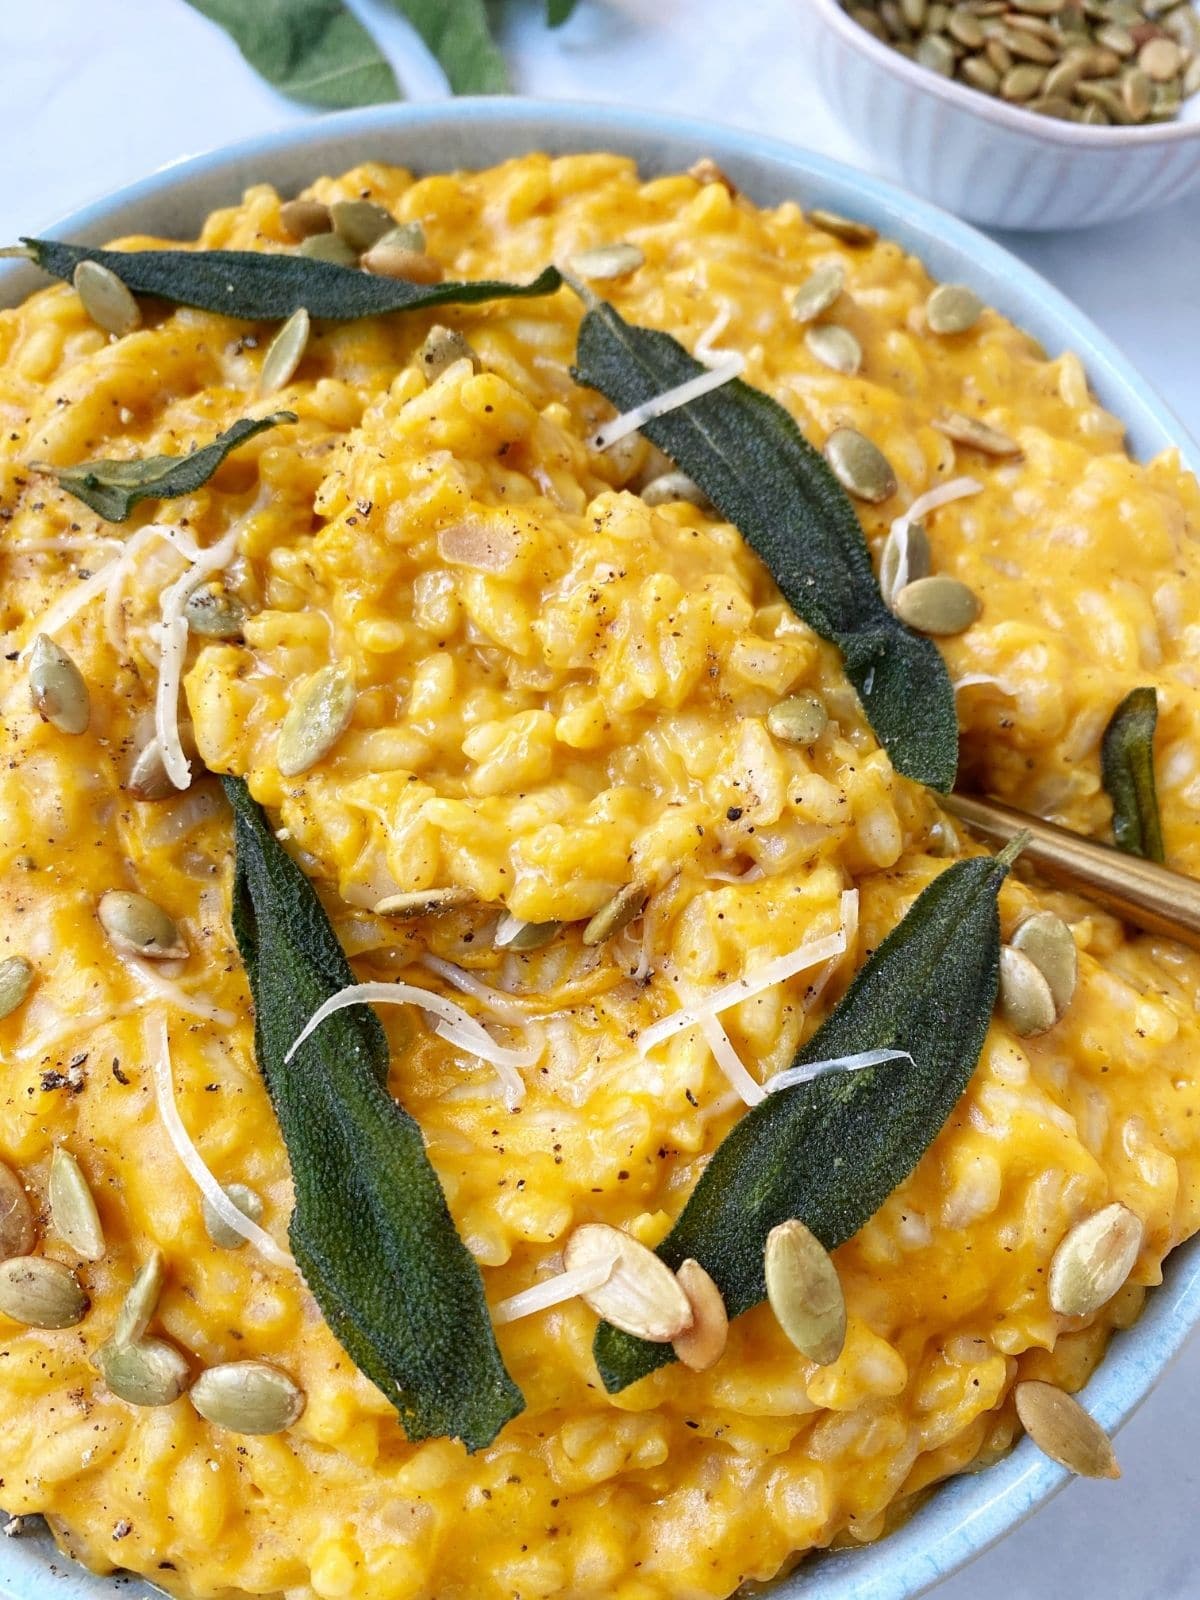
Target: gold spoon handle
{"points": [[1142, 892]]}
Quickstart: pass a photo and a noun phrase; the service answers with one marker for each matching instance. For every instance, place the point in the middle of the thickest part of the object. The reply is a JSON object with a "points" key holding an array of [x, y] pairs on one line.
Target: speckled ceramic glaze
{"points": [[969, 1513]]}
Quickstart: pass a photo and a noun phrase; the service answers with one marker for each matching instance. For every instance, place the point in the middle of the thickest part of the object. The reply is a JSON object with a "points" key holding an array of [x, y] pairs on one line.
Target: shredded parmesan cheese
{"points": [[670, 400], [704, 348], [922, 506], [162, 988], [554, 1291], [172, 635], [791, 1076], [730, 1063], [158, 1045], [507, 930], [123, 566], [502, 1006]]}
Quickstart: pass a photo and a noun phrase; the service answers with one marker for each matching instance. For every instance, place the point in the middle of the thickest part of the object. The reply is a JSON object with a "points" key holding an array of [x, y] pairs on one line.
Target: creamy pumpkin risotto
{"points": [[559, 758]]}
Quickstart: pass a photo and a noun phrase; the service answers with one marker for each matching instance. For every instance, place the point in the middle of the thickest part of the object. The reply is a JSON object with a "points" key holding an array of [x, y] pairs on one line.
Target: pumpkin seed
{"points": [[106, 299], [285, 353], [57, 688], [939, 605], [805, 1292], [360, 223], [1161, 59], [420, 902], [1138, 94], [404, 236], [214, 613], [218, 1230], [800, 719], [1064, 1431], [397, 261], [136, 924], [978, 435], [328, 247], [247, 1397], [818, 292], [670, 487], [73, 1213], [148, 1373], [641, 1295], [303, 218], [41, 1293], [16, 976], [1047, 941], [442, 348], [16, 1216], [141, 1301], [965, 28], [148, 778], [1025, 999], [843, 228], [1106, 95], [703, 1344], [533, 935], [860, 466], [318, 716], [617, 913], [1094, 1261], [1023, 81], [953, 308], [937, 54], [980, 74], [907, 547], [834, 347], [606, 261], [1063, 78]]}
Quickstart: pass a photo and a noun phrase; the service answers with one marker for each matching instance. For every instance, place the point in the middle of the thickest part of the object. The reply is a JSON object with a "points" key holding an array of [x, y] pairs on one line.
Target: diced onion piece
{"points": [[640, 1295], [670, 400], [172, 639], [554, 1291], [730, 1062], [480, 545], [790, 1076], [159, 1046]]}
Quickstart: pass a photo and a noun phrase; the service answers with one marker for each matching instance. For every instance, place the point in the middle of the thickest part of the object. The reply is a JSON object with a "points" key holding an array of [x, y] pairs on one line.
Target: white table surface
{"points": [[98, 92]]}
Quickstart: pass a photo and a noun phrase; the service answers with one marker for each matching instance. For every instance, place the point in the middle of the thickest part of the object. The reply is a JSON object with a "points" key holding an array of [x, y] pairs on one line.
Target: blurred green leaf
{"points": [[315, 51], [557, 11], [457, 34]]}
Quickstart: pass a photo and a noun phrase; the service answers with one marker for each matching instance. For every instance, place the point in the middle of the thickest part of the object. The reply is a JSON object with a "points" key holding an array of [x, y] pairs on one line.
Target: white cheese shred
{"points": [[122, 568], [456, 1026], [158, 1044], [790, 1076], [554, 1291], [670, 400], [502, 1006], [922, 506], [730, 1063]]}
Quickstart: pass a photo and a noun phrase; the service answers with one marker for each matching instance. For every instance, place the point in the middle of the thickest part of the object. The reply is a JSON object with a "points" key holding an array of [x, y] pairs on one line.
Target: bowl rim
{"points": [[1014, 118], [969, 1512]]}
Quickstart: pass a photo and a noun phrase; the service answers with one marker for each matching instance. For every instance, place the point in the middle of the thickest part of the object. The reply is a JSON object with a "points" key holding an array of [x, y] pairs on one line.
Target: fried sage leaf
{"points": [[113, 488], [314, 51], [457, 34], [1127, 762], [557, 11], [829, 1152], [754, 464], [371, 1230], [269, 285]]}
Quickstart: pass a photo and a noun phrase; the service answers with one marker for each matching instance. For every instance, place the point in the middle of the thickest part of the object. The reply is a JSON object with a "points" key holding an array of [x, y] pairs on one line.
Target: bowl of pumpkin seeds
{"points": [[1021, 113]]}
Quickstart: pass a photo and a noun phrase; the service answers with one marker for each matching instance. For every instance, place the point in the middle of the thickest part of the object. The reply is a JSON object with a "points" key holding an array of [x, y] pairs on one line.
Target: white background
{"points": [[94, 93]]}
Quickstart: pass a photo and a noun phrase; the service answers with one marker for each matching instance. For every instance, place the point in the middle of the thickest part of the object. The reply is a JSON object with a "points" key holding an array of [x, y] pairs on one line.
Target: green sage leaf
{"points": [[557, 11], [371, 1230], [1127, 764], [113, 488], [757, 468], [458, 36], [830, 1151], [314, 51], [268, 286]]}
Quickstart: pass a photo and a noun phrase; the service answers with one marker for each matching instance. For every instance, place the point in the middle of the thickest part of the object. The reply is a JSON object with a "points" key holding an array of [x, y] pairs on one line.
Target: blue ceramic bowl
{"points": [[967, 1514]]}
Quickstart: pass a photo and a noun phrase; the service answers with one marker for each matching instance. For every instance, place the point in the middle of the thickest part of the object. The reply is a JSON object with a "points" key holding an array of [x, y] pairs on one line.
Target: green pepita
{"points": [[818, 292], [616, 913], [328, 247], [1094, 1260], [214, 613], [148, 1373], [800, 719], [387, 260], [57, 688], [218, 1230], [422, 902], [16, 977], [977, 435], [73, 1213], [608, 261], [141, 1301], [953, 308], [805, 1292], [247, 1397], [939, 605], [318, 716], [303, 218], [442, 348], [834, 347], [533, 935], [360, 223], [844, 228], [40, 1293], [1046, 940], [106, 299], [860, 466], [136, 924], [1064, 1431], [670, 487], [1025, 999], [16, 1216], [285, 352]]}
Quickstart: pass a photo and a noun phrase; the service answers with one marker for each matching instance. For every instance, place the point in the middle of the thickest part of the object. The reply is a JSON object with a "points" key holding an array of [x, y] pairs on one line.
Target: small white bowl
{"points": [[986, 159]]}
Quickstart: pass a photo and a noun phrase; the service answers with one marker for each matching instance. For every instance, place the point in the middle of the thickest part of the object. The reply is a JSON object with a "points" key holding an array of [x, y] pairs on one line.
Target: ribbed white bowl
{"points": [[990, 161]]}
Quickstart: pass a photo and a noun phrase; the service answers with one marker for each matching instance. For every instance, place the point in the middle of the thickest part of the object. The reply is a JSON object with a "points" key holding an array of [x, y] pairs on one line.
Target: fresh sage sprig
{"points": [[267, 286], [314, 51], [1127, 765], [371, 1230], [757, 468], [830, 1151], [113, 488]]}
